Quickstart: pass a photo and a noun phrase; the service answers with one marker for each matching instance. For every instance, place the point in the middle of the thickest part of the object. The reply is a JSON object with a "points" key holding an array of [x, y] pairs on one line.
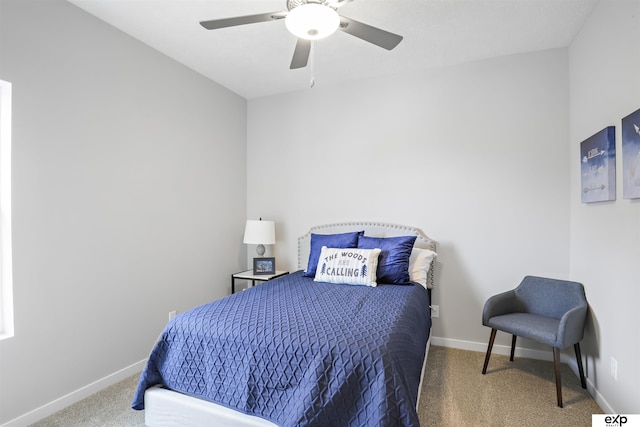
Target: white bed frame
{"points": [[165, 408]]}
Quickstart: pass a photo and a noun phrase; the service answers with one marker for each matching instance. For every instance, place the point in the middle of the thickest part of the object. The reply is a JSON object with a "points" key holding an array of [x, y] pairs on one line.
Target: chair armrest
{"points": [[571, 327], [499, 304]]}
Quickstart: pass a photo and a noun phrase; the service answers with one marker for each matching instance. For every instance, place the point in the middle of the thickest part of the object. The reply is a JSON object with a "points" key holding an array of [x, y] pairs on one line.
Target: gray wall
{"points": [[605, 237], [129, 198], [474, 155]]}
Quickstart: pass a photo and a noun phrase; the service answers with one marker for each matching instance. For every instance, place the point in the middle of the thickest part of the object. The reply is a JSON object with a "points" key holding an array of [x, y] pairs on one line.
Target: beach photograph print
{"points": [[598, 166], [631, 156]]}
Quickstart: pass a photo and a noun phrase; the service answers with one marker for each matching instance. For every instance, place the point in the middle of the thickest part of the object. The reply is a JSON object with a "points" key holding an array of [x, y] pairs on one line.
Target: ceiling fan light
{"points": [[312, 21]]}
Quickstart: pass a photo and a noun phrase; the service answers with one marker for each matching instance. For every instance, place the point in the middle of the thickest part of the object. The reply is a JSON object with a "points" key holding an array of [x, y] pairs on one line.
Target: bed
{"points": [[306, 348]]}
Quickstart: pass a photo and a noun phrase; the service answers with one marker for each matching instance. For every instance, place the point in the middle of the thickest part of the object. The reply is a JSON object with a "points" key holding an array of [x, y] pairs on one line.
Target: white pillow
{"points": [[419, 264], [348, 266]]}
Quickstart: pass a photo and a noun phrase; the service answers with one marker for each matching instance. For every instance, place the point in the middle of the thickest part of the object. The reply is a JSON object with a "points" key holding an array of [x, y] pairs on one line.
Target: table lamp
{"points": [[259, 233]]}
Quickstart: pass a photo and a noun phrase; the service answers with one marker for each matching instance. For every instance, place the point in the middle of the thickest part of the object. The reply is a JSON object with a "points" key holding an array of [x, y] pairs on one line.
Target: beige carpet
{"points": [[455, 393], [109, 408], [518, 393]]}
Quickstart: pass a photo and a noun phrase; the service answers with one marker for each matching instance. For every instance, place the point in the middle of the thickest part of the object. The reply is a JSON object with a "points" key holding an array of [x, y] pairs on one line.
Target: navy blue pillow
{"points": [[343, 240], [393, 264]]}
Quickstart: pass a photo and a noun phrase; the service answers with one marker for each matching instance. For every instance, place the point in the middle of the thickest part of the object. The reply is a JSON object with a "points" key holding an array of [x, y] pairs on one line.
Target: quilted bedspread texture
{"points": [[300, 353]]}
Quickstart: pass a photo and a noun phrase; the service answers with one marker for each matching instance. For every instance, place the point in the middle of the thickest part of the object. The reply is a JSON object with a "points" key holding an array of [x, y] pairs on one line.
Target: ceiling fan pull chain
{"points": [[313, 65]]}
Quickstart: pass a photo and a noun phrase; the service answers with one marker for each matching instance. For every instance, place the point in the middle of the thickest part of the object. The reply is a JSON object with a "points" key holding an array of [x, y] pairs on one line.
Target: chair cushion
{"points": [[537, 328]]}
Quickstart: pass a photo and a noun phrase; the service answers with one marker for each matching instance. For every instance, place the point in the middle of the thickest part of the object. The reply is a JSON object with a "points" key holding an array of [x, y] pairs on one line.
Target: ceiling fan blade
{"points": [[242, 20], [301, 54], [374, 35]]}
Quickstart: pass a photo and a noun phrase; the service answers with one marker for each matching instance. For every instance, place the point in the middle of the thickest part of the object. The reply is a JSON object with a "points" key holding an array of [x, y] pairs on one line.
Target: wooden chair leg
{"points": [[583, 381], [513, 347], [556, 364], [486, 358]]}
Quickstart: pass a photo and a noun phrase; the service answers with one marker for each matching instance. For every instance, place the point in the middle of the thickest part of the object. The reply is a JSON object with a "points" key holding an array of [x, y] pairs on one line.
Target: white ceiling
{"points": [[253, 60]]}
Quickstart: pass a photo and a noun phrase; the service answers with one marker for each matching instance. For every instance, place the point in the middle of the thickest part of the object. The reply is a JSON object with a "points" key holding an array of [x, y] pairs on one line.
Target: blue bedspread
{"points": [[300, 353]]}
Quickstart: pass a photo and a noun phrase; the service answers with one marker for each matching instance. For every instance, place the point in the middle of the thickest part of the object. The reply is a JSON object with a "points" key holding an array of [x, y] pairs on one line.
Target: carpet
{"points": [[454, 393]]}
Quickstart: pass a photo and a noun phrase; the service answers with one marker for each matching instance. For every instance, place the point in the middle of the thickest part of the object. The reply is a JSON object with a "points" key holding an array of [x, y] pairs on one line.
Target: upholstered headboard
{"points": [[373, 229]]}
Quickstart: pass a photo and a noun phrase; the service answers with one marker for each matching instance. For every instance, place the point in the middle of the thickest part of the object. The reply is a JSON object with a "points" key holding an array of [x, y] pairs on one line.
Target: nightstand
{"points": [[248, 275]]}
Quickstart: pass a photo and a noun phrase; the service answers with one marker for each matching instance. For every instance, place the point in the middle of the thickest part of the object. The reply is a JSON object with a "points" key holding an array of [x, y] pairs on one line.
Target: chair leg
{"points": [[486, 358], [513, 347], [556, 364], [583, 381]]}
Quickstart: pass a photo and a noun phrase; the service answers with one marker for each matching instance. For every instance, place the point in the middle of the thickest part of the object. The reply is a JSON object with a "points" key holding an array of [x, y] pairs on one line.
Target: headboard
{"points": [[373, 229]]}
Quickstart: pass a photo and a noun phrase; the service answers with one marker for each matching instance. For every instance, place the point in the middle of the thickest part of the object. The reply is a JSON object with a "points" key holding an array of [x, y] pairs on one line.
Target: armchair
{"points": [[547, 311]]}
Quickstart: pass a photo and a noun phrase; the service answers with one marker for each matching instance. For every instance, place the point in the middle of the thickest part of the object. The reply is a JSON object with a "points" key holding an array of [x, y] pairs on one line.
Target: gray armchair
{"points": [[547, 311]]}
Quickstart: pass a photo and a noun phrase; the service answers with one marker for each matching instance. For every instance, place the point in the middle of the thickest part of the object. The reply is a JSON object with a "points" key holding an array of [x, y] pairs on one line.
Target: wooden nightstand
{"points": [[248, 275]]}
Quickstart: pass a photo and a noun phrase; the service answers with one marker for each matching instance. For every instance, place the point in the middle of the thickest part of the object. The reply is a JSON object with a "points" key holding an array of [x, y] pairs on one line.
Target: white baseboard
{"points": [[569, 358], [599, 398], [75, 396], [497, 349]]}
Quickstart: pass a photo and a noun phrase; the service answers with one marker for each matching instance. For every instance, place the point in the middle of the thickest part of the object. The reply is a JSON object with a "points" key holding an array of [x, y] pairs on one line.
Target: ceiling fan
{"points": [[313, 20]]}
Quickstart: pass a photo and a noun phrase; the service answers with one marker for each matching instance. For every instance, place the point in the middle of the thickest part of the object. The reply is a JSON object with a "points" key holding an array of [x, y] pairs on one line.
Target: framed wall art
{"points": [[631, 156], [598, 166]]}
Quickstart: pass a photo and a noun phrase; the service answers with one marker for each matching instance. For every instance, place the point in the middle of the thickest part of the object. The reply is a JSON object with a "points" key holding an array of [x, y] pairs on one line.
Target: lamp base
{"points": [[260, 250]]}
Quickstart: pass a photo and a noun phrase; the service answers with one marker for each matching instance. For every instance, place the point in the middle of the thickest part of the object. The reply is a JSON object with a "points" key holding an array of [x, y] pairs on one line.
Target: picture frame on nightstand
{"points": [[264, 266]]}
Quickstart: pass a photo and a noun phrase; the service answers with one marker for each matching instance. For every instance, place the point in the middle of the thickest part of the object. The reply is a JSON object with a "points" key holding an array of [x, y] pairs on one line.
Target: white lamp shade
{"points": [[312, 21], [260, 233]]}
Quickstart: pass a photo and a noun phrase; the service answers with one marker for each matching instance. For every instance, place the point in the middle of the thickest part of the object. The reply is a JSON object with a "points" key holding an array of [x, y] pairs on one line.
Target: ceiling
{"points": [[253, 60]]}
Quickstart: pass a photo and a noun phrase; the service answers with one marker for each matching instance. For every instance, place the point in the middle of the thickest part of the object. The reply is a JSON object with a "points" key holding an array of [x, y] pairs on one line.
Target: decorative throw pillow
{"points": [[342, 240], [393, 265], [419, 265], [348, 266]]}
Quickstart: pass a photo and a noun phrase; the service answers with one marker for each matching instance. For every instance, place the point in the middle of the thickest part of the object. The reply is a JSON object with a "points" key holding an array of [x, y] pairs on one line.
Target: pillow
{"points": [[347, 266], [419, 265], [393, 265], [343, 240]]}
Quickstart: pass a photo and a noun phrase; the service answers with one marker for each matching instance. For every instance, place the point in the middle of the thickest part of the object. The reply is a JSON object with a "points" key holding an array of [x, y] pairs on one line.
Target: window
{"points": [[6, 275]]}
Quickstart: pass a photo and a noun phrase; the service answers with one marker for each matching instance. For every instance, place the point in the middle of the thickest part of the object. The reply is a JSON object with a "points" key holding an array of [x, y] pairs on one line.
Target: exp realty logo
{"points": [[615, 420]]}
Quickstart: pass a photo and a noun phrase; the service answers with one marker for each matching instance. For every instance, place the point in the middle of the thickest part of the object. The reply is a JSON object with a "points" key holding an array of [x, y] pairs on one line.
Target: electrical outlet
{"points": [[435, 311], [172, 314], [614, 369]]}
